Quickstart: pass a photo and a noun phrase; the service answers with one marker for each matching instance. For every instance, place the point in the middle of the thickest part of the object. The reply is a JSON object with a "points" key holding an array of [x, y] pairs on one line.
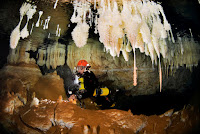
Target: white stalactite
{"points": [[15, 35], [80, 34], [81, 31], [29, 13], [32, 28], [38, 22], [138, 20], [55, 5], [47, 24]]}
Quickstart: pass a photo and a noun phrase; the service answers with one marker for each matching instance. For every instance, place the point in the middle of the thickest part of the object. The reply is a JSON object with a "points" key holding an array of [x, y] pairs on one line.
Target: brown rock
{"points": [[10, 103], [40, 117], [49, 86], [69, 115]]}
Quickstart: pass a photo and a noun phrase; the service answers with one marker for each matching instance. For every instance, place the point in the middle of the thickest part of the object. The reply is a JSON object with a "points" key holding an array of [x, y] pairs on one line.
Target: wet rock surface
{"points": [[66, 117]]}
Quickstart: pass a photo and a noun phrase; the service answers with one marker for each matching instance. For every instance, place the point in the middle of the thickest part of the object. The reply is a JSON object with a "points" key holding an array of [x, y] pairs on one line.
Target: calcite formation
{"points": [[115, 72], [123, 26], [52, 56], [20, 54]]}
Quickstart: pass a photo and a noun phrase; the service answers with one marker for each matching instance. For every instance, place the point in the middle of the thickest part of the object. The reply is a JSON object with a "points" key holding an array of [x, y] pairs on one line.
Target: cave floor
{"points": [[25, 109]]}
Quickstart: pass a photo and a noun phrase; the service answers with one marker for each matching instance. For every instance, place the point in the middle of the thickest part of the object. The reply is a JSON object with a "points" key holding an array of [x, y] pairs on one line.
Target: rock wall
{"points": [[25, 79], [20, 54], [52, 56], [115, 73]]}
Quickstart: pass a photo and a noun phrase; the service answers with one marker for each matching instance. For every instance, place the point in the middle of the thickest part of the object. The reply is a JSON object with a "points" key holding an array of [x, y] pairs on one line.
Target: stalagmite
{"points": [[85, 129], [35, 102]]}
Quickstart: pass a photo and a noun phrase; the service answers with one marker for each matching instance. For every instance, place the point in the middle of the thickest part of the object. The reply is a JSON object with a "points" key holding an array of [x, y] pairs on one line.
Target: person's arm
{"points": [[74, 86]]}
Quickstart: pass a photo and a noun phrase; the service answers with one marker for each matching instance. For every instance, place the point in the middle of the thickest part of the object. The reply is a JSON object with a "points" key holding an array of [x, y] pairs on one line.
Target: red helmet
{"points": [[83, 63]]}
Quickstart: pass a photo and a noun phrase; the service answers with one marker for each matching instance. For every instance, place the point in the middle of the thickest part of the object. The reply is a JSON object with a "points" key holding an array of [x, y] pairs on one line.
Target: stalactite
{"points": [[46, 24], [142, 24], [55, 5], [41, 57], [24, 32], [160, 74], [27, 48], [31, 28], [52, 56], [15, 35], [48, 57], [29, 13], [80, 32], [38, 22], [134, 70]]}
